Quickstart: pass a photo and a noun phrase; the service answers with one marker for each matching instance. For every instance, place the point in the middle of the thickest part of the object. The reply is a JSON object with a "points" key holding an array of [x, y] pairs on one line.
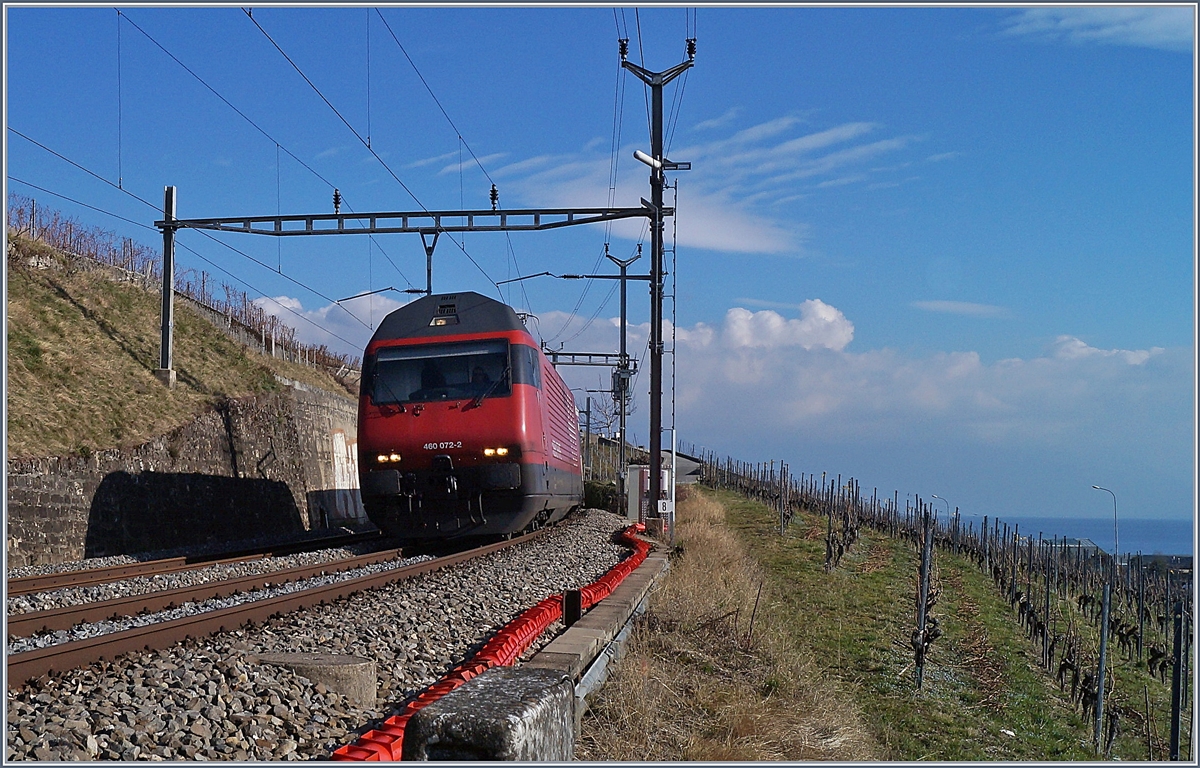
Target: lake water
{"points": [[1150, 537]]}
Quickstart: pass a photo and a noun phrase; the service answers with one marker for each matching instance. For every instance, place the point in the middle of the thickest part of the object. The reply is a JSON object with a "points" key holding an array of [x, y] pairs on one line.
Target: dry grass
{"points": [[82, 350], [979, 656], [693, 688]]}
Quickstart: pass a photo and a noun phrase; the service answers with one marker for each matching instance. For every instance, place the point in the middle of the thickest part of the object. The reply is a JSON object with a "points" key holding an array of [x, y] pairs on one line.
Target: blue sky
{"points": [[943, 250]]}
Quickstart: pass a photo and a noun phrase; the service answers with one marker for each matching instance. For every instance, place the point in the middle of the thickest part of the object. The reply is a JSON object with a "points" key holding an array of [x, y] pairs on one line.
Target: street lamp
{"points": [[1110, 493], [947, 508]]}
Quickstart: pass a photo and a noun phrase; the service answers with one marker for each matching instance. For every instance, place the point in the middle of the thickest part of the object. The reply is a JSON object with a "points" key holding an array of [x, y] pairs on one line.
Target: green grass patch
{"points": [[82, 350], [983, 697]]}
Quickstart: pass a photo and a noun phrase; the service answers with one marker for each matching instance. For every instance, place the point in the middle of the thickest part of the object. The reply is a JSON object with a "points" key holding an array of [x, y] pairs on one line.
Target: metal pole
{"points": [[429, 246], [1116, 548], [165, 372], [1103, 660], [1046, 628], [1141, 598], [587, 443], [1177, 681], [674, 465], [624, 395], [656, 295], [656, 81], [621, 385]]}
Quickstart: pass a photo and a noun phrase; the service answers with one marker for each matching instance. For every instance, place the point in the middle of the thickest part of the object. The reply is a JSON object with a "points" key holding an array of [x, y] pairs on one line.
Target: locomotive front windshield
{"points": [[419, 374]]}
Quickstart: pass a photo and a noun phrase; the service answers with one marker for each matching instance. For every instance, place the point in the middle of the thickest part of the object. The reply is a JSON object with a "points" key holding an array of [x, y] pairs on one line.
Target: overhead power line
{"points": [[227, 102], [462, 143], [363, 141], [433, 95], [194, 252], [279, 145], [145, 202]]}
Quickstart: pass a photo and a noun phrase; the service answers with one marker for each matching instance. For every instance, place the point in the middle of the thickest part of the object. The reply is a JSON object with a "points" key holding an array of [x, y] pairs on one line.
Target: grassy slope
{"points": [[81, 354], [981, 677], [829, 675], [697, 684]]}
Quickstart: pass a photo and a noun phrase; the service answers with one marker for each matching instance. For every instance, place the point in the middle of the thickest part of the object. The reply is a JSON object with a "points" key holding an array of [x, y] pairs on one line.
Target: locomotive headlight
{"points": [[490, 451], [395, 457], [381, 458], [501, 451], [388, 458]]}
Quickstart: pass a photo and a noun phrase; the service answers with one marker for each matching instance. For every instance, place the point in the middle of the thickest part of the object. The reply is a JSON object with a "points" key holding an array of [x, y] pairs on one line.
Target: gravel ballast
{"points": [[141, 585], [207, 699]]}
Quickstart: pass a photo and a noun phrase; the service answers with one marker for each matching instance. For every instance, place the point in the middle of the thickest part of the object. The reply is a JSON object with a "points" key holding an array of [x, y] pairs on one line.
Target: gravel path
{"points": [[203, 700]]}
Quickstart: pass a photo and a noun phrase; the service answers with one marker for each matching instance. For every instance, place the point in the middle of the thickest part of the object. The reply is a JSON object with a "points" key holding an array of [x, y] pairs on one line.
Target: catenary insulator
{"points": [[337, 201]]}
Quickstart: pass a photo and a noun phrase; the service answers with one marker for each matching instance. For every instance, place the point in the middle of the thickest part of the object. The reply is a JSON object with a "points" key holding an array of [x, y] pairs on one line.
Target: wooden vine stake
{"points": [[927, 627]]}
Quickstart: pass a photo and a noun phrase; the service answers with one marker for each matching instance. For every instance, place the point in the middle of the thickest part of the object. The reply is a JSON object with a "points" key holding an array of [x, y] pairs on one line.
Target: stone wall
{"points": [[252, 467]]}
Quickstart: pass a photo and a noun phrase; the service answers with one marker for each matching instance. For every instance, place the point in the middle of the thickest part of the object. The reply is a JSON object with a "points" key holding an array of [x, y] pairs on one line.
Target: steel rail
{"points": [[30, 665], [25, 624], [25, 585]]}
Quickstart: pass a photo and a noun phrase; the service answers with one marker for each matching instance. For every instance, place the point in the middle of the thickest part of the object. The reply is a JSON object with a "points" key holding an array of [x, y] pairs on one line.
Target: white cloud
{"points": [[344, 327], [332, 151], [1165, 28], [1071, 348], [961, 308], [735, 187], [466, 162], [717, 122], [759, 377], [819, 325], [942, 156], [432, 160], [1029, 433], [842, 181]]}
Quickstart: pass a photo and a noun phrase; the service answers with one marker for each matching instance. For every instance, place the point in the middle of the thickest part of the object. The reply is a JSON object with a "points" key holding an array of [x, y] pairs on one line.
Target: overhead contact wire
{"points": [[226, 101], [256, 127], [358, 136], [614, 152], [432, 95], [463, 143], [185, 247], [155, 208]]}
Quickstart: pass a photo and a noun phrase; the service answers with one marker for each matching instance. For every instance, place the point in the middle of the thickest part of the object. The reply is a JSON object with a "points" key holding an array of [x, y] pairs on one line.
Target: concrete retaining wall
{"points": [[252, 467], [532, 712]]}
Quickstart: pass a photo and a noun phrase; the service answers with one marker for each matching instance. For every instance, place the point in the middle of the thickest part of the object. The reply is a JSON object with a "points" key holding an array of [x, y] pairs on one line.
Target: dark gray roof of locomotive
{"points": [[476, 314]]}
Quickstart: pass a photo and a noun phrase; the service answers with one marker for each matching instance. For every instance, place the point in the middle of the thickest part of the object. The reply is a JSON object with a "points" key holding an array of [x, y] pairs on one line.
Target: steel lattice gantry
{"points": [[425, 223], [418, 222]]}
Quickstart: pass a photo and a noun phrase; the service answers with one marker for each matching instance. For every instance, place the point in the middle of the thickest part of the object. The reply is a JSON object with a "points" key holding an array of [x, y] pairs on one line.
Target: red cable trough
{"points": [[505, 647]]}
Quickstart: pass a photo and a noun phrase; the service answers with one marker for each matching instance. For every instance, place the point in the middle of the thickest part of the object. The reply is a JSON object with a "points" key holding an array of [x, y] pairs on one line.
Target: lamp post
{"points": [[939, 498], [1115, 549], [951, 524]]}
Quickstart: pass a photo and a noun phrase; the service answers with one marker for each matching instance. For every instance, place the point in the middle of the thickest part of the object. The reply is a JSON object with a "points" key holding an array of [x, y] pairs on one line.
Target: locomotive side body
{"points": [[464, 427]]}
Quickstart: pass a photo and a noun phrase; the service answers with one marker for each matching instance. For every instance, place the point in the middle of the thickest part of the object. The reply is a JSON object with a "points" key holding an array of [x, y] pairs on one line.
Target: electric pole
{"points": [[658, 167], [622, 375]]}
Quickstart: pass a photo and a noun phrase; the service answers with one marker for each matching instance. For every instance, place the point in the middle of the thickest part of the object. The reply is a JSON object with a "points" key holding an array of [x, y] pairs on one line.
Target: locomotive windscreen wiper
{"points": [[383, 380], [478, 399]]}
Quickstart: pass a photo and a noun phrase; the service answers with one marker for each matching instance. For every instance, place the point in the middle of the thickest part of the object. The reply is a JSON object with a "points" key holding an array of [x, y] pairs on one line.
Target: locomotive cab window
{"points": [[525, 366], [428, 372]]}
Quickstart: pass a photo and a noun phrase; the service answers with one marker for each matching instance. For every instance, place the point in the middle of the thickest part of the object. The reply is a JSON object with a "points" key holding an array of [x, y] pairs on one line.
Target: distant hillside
{"points": [[82, 348]]}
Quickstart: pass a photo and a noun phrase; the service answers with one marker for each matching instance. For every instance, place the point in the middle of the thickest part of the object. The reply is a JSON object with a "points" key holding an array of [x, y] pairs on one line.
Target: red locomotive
{"points": [[464, 426]]}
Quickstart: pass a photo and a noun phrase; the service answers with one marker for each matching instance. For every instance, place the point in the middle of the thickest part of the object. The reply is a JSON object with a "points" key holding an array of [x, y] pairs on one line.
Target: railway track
{"points": [[27, 665], [26, 624], [31, 584]]}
